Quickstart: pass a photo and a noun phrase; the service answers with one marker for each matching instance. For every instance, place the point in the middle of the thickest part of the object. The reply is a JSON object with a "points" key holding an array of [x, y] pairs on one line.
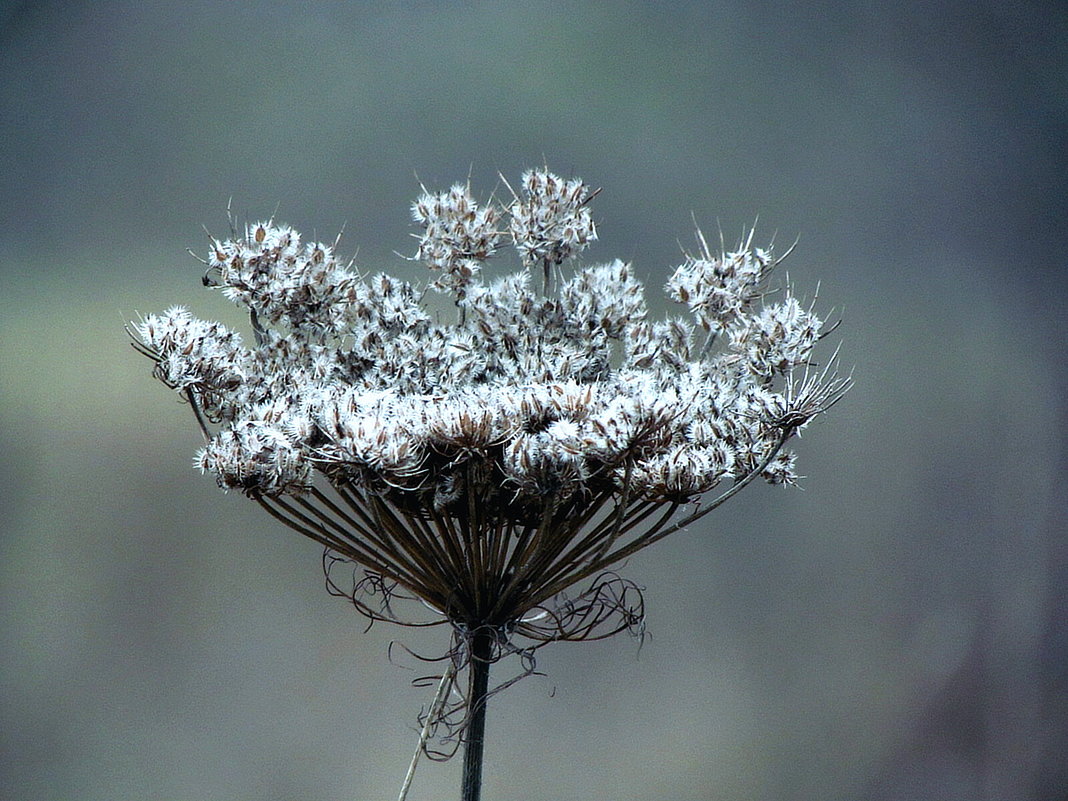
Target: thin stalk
{"points": [[474, 738], [431, 720]]}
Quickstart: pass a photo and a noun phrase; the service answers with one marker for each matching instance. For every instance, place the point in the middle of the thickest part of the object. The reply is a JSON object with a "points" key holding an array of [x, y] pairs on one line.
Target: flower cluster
{"points": [[719, 288], [484, 465], [458, 236], [551, 221]]}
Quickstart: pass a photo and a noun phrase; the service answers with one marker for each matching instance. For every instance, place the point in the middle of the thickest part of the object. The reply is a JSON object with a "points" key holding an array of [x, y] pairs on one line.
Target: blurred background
{"points": [[897, 629]]}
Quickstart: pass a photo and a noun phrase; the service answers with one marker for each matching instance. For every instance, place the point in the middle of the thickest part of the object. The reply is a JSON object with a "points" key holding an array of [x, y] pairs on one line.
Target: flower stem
{"points": [[481, 646]]}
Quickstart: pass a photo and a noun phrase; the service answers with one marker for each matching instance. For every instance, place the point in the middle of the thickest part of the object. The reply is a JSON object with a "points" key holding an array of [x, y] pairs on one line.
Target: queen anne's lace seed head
{"points": [[457, 237], [257, 458], [205, 358], [777, 339], [485, 464], [718, 289], [551, 220]]}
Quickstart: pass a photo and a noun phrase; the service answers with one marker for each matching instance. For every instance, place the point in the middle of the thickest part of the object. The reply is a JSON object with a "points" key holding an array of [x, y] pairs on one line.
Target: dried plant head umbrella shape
{"points": [[489, 472]]}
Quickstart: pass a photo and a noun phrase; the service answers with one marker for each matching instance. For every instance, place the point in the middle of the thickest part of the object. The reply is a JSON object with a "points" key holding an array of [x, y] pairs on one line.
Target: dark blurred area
{"points": [[896, 629]]}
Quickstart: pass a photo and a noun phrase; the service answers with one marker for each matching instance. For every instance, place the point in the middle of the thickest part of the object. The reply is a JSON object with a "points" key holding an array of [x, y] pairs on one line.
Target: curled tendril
{"points": [[610, 605], [372, 595]]}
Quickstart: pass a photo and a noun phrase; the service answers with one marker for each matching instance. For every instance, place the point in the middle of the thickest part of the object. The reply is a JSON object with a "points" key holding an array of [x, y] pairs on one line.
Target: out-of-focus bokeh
{"points": [[897, 629]]}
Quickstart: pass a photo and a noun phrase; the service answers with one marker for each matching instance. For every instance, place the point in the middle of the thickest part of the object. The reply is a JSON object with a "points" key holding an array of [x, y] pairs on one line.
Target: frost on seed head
{"points": [[485, 463]]}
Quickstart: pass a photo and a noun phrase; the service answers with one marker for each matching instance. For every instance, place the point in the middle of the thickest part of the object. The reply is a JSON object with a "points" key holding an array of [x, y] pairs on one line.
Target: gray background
{"points": [[895, 630]]}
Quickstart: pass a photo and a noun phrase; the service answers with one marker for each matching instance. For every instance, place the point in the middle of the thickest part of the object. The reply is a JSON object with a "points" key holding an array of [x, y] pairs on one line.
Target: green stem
{"points": [[481, 645]]}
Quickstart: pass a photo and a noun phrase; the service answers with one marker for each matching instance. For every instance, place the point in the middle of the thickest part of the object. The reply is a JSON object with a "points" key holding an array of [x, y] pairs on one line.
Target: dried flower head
{"points": [[551, 219], [457, 236], [485, 466]]}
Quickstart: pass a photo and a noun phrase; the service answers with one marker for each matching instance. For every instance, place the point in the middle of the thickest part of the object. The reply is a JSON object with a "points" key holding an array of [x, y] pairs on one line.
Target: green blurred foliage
{"points": [[894, 630]]}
